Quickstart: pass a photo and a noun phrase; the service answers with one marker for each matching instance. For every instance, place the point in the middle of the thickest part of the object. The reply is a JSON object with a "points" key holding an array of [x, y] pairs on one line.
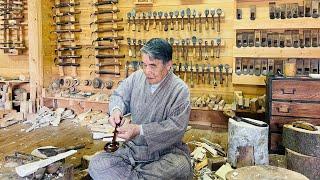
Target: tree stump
{"points": [[247, 144], [306, 165], [264, 173], [302, 141]]}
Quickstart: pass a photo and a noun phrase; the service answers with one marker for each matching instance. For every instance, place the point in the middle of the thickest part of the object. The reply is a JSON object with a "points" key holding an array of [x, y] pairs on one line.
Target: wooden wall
{"points": [[14, 65]]}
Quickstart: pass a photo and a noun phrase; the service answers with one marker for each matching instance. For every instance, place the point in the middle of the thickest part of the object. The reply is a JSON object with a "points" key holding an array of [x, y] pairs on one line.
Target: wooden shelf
{"points": [[272, 52], [13, 81], [249, 80], [143, 4], [294, 23]]}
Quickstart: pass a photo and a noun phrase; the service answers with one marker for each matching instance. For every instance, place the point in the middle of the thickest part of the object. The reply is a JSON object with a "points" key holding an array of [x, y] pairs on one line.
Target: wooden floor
{"points": [[14, 139]]}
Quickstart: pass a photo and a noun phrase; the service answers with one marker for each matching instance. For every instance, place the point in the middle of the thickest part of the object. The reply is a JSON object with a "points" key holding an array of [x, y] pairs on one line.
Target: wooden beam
{"points": [[35, 49]]}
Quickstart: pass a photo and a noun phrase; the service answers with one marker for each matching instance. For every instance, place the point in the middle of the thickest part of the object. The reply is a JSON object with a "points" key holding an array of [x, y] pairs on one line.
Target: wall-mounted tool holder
{"points": [[105, 34], [67, 25], [175, 20], [12, 24], [278, 38]]}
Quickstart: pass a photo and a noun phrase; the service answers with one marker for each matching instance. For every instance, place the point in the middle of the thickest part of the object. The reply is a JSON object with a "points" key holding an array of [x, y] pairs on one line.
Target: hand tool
{"points": [[108, 39], [252, 12], [180, 66], [295, 7], [171, 20], [108, 56], [139, 22], [182, 50], [220, 66], [215, 76], [65, 4], [200, 48], [68, 48], [102, 21], [144, 16], [106, 11], [203, 68], [197, 73], [194, 41], [314, 66], [218, 40], [206, 54], [105, 72], [264, 67], [206, 13], [200, 21], [140, 46], [160, 13], [288, 11], [106, 64], [270, 66], [100, 3], [133, 15], [166, 22], [188, 12], [238, 66], [232, 114], [191, 76], [282, 11], [112, 146], [176, 14], [187, 49], [227, 67], [70, 57], [212, 12], [185, 72], [127, 68], [272, 10], [129, 47], [110, 29], [251, 66], [67, 13], [177, 48], [128, 21], [154, 19], [194, 14], [212, 48], [257, 67], [182, 19], [208, 73], [148, 22], [58, 31], [219, 12], [251, 39]]}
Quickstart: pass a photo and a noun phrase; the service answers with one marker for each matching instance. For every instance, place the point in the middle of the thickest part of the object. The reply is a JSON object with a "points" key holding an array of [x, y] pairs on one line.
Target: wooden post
{"points": [[35, 51]]}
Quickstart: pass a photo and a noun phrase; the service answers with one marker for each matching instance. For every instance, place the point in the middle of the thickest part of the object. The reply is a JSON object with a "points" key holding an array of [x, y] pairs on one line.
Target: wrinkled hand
{"points": [[128, 131], [115, 118]]}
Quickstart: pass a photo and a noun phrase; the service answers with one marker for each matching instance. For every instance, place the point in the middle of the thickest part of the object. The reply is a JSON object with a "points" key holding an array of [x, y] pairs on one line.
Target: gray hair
{"points": [[157, 48]]}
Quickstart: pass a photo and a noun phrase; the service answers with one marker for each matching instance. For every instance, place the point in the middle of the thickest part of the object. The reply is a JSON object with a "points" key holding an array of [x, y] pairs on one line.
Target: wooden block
{"points": [[246, 102], [215, 163], [306, 165], [254, 105], [302, 141], [201, 164]]}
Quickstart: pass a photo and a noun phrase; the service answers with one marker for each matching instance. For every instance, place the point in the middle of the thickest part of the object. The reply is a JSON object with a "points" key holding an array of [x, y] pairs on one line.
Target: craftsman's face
{"points": [[154, 69]]}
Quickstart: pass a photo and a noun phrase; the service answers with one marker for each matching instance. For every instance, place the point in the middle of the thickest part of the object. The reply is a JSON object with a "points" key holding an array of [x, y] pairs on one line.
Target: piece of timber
{"points": [[102, 21], [66, 4], [306, 165], [100, 3], [106, 11], [108, 56], [301, 140], [106, 72], [102, 30]]}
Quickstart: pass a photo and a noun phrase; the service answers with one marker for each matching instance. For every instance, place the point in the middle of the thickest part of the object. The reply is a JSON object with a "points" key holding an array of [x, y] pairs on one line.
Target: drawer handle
{"points": [[288, 91], [283, 109]]}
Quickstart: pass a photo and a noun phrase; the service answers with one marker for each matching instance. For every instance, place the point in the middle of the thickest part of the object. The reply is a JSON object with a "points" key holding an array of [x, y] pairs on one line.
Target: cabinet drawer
{"points": [[296, 90], [277, 122], [307, 110]]}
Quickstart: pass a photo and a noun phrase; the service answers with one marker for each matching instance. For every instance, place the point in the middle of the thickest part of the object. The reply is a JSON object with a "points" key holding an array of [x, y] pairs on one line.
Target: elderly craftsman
{"points": [[160, 107]]}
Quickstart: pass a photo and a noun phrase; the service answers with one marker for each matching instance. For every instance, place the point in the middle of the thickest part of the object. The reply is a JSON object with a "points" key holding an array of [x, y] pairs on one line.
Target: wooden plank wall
{"points": [[14, 65], [227, 33]]}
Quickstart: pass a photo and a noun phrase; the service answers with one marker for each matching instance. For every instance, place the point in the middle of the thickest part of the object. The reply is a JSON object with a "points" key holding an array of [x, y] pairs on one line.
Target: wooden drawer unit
{"points": [[289, 100]]}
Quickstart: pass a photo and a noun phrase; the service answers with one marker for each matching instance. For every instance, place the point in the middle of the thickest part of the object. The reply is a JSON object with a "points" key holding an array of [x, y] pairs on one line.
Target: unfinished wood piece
{"points": [[306, 165], [265, 173], [241, 134], [302, 141], [30, 168]]}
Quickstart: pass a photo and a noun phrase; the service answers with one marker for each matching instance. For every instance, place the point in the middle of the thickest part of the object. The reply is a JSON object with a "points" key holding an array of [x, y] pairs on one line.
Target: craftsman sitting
{"points": [[159, 104]]}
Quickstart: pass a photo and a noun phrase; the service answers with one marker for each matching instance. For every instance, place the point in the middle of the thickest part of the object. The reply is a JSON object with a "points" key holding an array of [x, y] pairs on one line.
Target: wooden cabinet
{"points": [[289, 100]]}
